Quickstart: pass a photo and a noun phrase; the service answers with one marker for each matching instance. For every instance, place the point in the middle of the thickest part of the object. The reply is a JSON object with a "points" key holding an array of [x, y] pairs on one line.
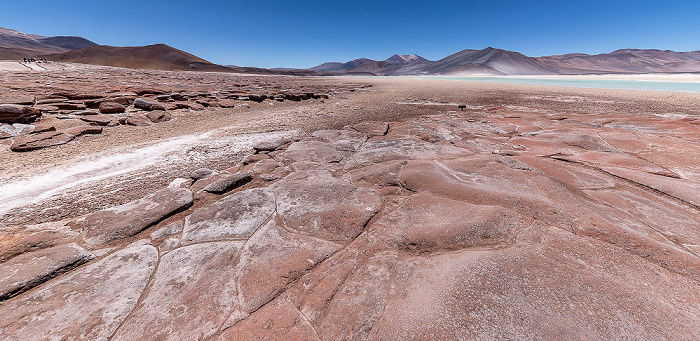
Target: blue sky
{"points": [[306, 33]]}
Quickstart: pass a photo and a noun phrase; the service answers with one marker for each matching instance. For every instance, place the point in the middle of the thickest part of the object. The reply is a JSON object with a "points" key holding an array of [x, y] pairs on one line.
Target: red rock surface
{"points": [[498, 222]]}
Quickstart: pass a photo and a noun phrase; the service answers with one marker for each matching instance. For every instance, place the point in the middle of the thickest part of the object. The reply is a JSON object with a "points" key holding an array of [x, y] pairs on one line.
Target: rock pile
{"points": [[518, 225]]}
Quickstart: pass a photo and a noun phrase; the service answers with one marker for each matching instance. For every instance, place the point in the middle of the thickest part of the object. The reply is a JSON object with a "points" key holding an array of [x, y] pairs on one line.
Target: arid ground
{"points": [[372, 208]]}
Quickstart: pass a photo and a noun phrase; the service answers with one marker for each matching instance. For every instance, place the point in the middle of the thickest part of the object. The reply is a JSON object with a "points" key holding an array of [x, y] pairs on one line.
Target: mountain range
{"points": [[16, 45], [492, 61]]}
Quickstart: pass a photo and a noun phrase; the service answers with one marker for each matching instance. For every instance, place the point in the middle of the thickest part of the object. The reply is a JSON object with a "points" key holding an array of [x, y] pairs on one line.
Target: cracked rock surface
{"points": [[506, 223]]}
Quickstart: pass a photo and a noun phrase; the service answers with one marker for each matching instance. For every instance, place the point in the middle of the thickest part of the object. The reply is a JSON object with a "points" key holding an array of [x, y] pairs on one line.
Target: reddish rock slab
{"points": [[131, 218], [13, 113], [159, 116], [192, 294], [272, 259], [236, 216], [372, 128], [89, 304], [41, 140], [111, 107], [428, 224], [382, 149], [544, 288], [28, 270], [101, 120], [279, 317], [317, 204], [148, 104], [84, 129], [139, 120]]}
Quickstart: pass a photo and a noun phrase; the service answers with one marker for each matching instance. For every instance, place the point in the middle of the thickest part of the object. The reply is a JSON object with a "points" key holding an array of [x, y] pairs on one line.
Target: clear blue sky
{"points": [[306, 33]]}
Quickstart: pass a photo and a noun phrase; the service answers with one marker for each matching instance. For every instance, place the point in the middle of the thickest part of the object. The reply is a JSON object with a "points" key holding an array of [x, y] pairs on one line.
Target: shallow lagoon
{"points": [[678, 83]]}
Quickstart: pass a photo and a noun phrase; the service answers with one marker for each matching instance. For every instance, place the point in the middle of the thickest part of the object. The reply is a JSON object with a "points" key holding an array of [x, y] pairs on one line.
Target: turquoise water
{"points": [[588, 83]]}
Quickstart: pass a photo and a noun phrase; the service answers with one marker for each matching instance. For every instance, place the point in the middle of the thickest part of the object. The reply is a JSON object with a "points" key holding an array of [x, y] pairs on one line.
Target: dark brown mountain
{"points": [[158, 56], [18, 45]]}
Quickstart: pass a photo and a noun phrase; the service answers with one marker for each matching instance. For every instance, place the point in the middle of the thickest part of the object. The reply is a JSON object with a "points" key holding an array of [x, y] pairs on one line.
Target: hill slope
{"points": [[158, 56]]}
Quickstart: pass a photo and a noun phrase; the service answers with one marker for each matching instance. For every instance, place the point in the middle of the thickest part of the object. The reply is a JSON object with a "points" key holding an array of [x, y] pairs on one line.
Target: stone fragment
{"points": [[320, 205], [102, 120], [236, 216], [192, 294], [228, 183], [28, 270], [89, 304], [22, 239], [41, 140], [159, 116], [111, 108], [139, 120], [84, 129], [131, 218], [148, 104], [87, 112]]}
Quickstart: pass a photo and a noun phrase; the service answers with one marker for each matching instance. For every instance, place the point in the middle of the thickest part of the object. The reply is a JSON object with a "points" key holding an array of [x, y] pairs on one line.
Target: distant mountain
{"points": [[341, 67], [18, 45], [68, 42], [625, 61], [158, 56], [405, 58], [492, 61]]}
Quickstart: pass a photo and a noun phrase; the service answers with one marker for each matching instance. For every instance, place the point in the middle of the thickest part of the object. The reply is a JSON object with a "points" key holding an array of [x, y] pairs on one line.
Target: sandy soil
{"points": [[125, 162]]}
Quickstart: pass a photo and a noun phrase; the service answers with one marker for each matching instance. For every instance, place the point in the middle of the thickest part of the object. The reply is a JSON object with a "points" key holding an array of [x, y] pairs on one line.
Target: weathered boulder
{"points": [[139, 120], [89, 304], [131, 218], [28, 270], [159, 116], [148, 104], [111, 107]]}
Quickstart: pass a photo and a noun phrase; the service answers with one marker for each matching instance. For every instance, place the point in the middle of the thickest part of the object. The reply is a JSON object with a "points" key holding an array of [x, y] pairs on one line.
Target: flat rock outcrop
{"points": [[511, 225]]}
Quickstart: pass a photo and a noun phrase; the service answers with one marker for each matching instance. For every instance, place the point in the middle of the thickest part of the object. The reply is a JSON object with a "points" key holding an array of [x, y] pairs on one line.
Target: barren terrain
{"points": [[392, 209]]}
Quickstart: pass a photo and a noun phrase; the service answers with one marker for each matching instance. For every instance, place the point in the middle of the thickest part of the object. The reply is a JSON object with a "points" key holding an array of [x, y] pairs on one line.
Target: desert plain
{"points": [[218, 206]]}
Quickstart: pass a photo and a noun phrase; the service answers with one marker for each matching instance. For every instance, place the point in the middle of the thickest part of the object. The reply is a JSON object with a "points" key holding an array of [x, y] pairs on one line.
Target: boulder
{"points": [[159, 116], [41, 140], [111, 108], [148, 104], [139, 120], [131, 218]]}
